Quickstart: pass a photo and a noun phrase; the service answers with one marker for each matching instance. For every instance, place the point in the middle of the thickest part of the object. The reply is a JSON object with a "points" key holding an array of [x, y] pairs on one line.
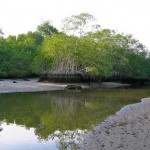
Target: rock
{"points": [[73, 87], [14, 82]]}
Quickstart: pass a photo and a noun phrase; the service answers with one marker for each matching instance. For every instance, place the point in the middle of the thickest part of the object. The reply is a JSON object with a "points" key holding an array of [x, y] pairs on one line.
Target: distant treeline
{"points": [[81, 44]]}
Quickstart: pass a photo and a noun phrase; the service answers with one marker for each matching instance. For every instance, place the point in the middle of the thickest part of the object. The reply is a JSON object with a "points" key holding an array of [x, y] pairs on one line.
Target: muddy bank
{"points": [[32, 85], [129, 129]]}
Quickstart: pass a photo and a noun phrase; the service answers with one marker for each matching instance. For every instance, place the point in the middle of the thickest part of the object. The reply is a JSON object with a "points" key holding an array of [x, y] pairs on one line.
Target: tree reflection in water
{"points": [[65, 111], [68, 140], [0, 126]]}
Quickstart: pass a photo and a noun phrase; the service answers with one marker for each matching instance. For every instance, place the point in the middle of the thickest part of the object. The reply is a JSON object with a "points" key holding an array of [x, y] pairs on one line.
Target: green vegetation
{"points": [[82, 47]]}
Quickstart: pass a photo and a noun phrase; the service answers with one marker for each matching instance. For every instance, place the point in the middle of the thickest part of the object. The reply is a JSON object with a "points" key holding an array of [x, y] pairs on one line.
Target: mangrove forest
{"points": [[80, 51]]}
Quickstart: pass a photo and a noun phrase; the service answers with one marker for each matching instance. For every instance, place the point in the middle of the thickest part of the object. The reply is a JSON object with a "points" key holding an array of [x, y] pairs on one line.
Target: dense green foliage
{"points": [[102, 52]]}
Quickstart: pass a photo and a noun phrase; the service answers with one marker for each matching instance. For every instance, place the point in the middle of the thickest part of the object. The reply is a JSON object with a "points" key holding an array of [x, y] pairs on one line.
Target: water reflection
{"points": [[0, 126], [16, 137], [36, 117], [68, 139]]}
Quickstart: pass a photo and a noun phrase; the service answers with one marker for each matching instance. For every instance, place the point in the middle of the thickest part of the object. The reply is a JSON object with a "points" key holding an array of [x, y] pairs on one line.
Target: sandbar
{"points": [[128, 129]]}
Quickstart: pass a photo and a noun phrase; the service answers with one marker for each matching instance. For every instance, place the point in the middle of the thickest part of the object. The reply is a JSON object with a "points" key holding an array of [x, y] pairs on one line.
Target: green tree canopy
{"points": [[79, 24], [83, 47], [46, 29]]}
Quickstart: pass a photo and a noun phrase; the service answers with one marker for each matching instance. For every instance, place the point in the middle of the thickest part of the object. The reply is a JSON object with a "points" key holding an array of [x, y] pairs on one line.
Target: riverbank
{"points": [[32, 85], [129, 129]]}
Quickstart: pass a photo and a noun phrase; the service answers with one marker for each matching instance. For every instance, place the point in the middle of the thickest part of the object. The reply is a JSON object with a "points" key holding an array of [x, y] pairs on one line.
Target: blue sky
{"points": [[128, 16]]}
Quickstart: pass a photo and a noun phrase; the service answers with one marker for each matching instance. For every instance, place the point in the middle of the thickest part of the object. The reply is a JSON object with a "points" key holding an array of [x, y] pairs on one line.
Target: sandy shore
{"points": [[129, 129], [8, 85]]}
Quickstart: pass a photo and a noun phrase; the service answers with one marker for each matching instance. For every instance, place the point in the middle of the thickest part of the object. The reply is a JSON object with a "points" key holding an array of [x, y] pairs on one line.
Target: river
{"points": [[58, 120]]}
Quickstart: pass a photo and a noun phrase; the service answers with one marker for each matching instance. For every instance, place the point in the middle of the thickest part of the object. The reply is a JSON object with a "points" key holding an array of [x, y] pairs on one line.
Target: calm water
{"points": [[57, 120]]}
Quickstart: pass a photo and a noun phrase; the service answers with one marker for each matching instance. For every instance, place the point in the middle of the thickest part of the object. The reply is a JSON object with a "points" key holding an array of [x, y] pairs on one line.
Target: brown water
{"points": [[57, 120]]}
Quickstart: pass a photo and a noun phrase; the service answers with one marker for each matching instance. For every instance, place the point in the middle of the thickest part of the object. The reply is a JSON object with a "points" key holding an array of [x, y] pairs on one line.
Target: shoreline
{"points": [[128, 129], [8, 86], [32, 85]]}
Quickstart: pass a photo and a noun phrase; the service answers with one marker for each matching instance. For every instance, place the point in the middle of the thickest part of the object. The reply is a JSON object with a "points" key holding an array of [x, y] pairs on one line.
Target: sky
{"points": [[127, 16]]}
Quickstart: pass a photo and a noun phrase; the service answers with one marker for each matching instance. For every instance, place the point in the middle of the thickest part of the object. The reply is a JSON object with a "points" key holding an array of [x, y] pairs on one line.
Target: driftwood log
{"points": [[73, 87]]}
